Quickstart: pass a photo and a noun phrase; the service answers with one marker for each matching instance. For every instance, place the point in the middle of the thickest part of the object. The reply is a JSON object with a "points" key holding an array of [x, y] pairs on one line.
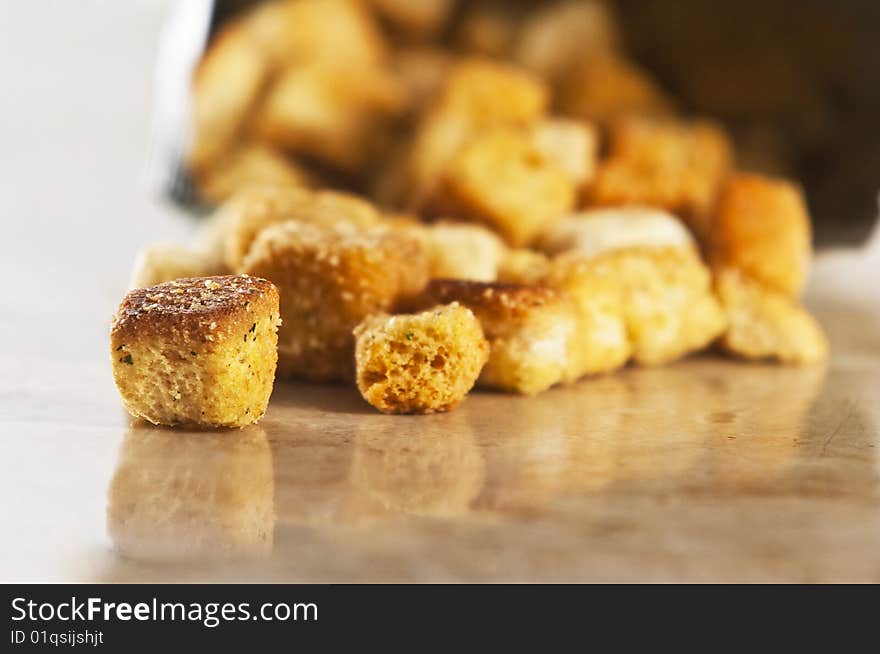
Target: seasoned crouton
{"points": [[762, 227], [330, 278], [466, 104], [462, 251], [668, 305], [532, 331], [503, 180], [677, 167], [163, 262], [603, 88], [419, 363], [225, 87], [597, 230], [765, 323], [178, 496], [295, 32], [253, 209], [337, 114], [571, 144], [198, 351], [419, 19], [253, 164], [555, 37]]}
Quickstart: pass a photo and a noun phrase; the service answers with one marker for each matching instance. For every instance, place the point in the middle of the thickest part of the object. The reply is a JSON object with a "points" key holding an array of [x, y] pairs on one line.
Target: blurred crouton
{"points": [[253, 164], [487, 28], [522, 266], [225, 87], [572, 145], [415, 20], [502, 179], [532, 331], [330, 278], [462, 251], [762, 227], [337, 114], [419, 363], [674, 166], [765, 323], [421, 71], [163, 262], [593, 231]]}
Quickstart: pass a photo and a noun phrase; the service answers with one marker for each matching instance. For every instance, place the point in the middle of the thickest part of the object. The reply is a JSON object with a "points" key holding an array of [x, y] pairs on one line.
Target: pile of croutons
{"points": [[454, 194]]}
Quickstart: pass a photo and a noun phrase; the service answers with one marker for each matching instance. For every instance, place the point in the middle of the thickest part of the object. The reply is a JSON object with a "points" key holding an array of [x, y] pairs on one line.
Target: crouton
{"points": [[330, 278], [522, 266], [555, 37], [164, 262], [571, 144], [466, 104], [668, 305], [501, 179], [462, 251], [178, 496], [677, 167], [594, 231], [248, 165], [607, 87], [762, 227], [225, 87], [338, 114], [253, 209], [422, 71], [765, 323], [199, 352], [419, 363], [306, 31], [487, 29], [532, 331], [415, 20]]}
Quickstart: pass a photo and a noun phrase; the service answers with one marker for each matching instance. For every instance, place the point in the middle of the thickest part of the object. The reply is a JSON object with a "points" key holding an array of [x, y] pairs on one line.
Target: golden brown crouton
{"points": [[467, 103], [198, 351], [419, 363], [226, 85], [762, 227], [330, 278], [178, 496], [572, 145], [603, 88], [668, 305], [677, 167], [765, 323], [337, 114], [462, 251], [502, 179], [522, 266], [555, 37], [418, 19], [164, 262], [594, 231], [253, 164], [255, 208], [532, 331], [306, 31]]}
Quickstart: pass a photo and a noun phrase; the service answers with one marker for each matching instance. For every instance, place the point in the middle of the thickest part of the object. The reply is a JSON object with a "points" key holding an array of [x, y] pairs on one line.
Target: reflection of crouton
{"points": [[331, 278], [531, 331], [603, 88], [338, 114], [197, 351], [192, 496], [253, 209], [522, 266], [305, 31], [163, 262], [572, 145], [502, 179], [598, 230], [553, 38], [419, 363], [677, 167], [761, 226], [249, 165], [766, 323], [225, 87]]}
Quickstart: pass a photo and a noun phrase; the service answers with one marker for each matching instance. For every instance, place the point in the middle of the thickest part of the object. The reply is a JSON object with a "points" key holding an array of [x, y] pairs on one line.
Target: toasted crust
{"points": [[197, 351], [419, 363], [762, 227], [331, 278], [531, 330], [765, 323]]}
